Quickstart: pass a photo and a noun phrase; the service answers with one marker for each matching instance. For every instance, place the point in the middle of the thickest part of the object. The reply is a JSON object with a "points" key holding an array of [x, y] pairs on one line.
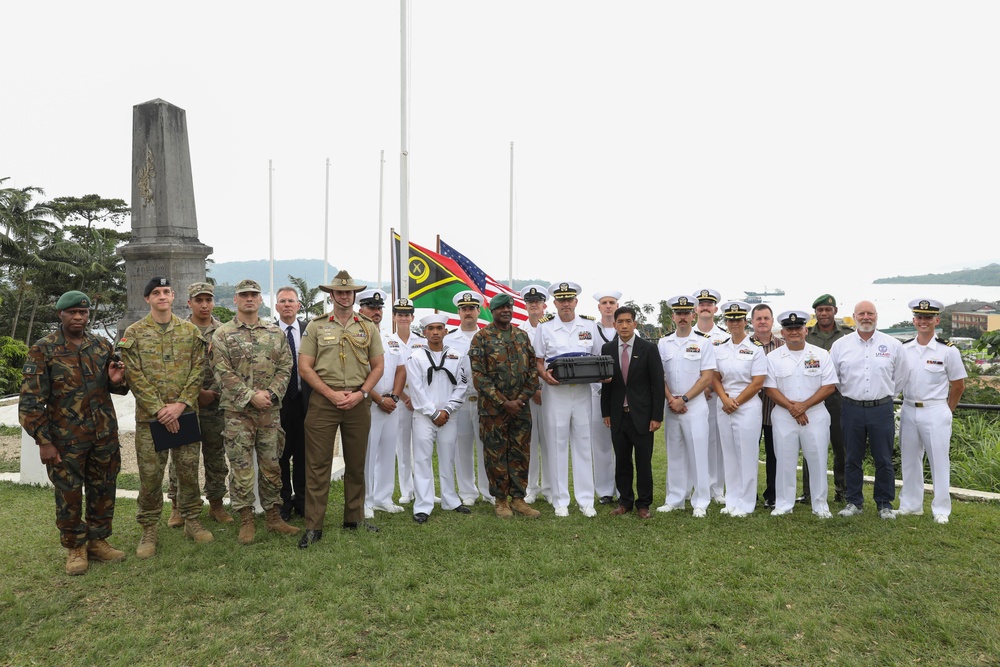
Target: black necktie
{"points": [[293, 384]]}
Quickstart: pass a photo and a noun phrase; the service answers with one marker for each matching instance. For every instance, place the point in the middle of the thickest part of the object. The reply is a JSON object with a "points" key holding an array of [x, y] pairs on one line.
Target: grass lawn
{"points": [[475, 590]]}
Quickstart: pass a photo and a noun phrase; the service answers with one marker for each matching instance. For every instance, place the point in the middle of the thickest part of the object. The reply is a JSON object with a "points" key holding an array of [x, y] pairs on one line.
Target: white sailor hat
{"points": [[534, 293], [565, 290], [614, 294], [709, 295], [467, 298], [735, 310], [791, 319], [682, 302], [926, 307], [434, 318], [373, 298]]}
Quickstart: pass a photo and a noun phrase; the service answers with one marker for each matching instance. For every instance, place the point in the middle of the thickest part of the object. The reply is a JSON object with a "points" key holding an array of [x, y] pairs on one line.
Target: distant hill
{"points": [[988, 276]]}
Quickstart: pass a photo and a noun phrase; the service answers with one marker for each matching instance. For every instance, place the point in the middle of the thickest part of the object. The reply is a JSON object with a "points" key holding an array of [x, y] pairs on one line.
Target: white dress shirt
{"points": [[930, 370], [869, 369]]}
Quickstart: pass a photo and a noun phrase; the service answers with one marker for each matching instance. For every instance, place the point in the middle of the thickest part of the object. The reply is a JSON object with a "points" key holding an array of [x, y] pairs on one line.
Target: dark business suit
{"points": [[293, 459], [630, 430]]}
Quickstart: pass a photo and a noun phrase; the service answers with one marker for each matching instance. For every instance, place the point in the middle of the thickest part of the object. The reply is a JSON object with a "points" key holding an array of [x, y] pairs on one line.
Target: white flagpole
{"points": [[404, 148], [326, 227], [510, 256], [270, 226], [381, 181]]}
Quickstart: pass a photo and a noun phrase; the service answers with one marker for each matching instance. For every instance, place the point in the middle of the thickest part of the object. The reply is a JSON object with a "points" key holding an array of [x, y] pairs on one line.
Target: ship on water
{"points": [[777, 291]]}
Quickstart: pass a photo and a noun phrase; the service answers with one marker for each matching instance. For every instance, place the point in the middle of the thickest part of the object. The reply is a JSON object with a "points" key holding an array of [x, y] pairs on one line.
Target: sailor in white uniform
{"points": [[535, 297], [600, 435], [708, 306]]}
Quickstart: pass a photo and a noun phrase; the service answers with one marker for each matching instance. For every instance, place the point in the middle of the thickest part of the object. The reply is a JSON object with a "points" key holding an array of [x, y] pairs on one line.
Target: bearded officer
{"points": [[600, 435], [933, 386], [567, 409]]}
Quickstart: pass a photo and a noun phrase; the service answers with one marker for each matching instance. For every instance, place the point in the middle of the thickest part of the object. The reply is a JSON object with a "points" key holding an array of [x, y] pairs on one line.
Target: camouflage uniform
{"points": [[65, 402], [163, 365], [246, 359], [211, 420], [504, 368]]}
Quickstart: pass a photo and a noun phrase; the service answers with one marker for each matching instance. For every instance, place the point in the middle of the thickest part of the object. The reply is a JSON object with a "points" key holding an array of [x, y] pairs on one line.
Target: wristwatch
{"points": [[684, 398], [364, 394]]}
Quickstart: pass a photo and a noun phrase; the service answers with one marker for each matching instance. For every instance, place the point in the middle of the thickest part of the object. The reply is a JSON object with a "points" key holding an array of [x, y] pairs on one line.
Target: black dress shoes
{"points": [[285, 512], [803, 500], [606, 500], [354, 525], [421, 517], [462, 509], [309, 537]]}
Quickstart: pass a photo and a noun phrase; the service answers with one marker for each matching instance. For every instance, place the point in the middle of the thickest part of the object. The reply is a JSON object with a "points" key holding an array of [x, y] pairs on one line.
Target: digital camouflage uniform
{"points": [[65, 402], [246, 359], [504, 368], [164, 366], [211, 420]]}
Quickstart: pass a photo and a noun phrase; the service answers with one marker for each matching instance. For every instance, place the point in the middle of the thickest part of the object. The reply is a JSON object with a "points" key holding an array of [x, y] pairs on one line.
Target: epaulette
{"points": [[908, 340], [703, 335], [945, 342], [546, 317], [451, 331], [364, 317], [756, 342], [324, 316], [589, 317]]}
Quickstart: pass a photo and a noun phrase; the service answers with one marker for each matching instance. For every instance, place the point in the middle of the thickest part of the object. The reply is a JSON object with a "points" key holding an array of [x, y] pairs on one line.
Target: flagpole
{"points": [[381, 181], [270, 226], [510, 256], [392, 272], [404, 149], [326, 227]]}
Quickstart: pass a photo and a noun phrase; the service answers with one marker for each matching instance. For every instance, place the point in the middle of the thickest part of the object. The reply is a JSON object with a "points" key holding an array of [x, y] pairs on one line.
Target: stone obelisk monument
{"points": [[164, 225]]}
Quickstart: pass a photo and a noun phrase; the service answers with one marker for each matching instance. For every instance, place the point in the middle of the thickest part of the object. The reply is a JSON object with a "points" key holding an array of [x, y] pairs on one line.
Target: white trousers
{"points": [[603, 452], [424, 435], [739, 437], [404, 451], [813, 439], [687, 454], [566, 416], [468, 449], [716, 465], [925, 431], [380, 459], [537, 483]]}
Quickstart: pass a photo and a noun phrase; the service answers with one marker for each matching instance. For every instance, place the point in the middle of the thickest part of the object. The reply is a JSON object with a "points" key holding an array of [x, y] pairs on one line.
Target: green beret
{"points": [[73, 299], [825, 300], [501, 300]]}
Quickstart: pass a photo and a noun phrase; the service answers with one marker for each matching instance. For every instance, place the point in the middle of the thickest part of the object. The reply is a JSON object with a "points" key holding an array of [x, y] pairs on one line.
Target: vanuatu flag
{"points": [[434, 279]]}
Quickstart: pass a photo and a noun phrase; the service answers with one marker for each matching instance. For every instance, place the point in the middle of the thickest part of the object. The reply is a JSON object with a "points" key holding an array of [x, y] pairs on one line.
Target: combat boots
{"points": [[147, 543], [273, 521], [196, 531], [76, 560], [247, 527], [218, 512], [175, 520], [502, 509], [523, 508], [104, 552]]}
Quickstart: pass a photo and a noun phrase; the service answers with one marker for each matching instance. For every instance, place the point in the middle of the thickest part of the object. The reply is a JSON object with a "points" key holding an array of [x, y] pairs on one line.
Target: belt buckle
{"points": [[473, 399], [918, 404]]}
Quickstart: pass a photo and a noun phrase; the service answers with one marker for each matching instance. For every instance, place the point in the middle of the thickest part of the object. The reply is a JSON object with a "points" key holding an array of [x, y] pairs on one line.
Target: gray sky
{"points": [[660, 146]]}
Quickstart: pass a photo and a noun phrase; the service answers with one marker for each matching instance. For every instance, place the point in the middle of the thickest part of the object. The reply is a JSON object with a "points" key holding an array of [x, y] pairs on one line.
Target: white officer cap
{"points": [[791, 319], [709, 295], [614, 294], [682, 302], [534, 293], [735, 310], [926, 307], [470, 298], [566, 290], [435, 318], [373, 298]]}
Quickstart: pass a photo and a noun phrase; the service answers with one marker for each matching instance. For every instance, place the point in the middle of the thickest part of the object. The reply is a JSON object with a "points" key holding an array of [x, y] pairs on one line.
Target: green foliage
{"points": [[312, 303], [665, 318], [988, 275], [975, 451], [223, 314], [13, 354], [989, 341]]}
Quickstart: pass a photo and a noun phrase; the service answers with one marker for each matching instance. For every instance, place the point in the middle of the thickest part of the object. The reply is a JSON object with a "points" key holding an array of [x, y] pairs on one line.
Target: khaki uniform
{"points": [[164, 365], [66, 402], [343, 362], [211, 420], [246, 359]]}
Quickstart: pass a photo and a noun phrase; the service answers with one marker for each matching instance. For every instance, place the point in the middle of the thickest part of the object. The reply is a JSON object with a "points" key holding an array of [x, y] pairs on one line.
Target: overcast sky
{"points": [[659, 146]]}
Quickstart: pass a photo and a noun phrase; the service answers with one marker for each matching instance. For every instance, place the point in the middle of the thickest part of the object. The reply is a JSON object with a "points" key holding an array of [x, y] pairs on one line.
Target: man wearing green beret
{"points": [[66, 407], [506, 377], [824, 334]]}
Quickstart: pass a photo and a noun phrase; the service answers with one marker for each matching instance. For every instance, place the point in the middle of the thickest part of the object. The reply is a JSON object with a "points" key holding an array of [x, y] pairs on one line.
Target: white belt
{"points": [[924, 404]]}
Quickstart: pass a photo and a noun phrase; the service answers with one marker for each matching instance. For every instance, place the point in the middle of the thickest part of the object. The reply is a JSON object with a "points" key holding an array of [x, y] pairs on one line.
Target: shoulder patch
{"points": [[589, 317], [945, 342], [125, 343], [30, 368]]}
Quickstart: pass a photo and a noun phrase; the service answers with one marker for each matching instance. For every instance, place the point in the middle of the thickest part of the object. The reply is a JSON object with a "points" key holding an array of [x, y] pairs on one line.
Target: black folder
{"points": [[189, 432]]}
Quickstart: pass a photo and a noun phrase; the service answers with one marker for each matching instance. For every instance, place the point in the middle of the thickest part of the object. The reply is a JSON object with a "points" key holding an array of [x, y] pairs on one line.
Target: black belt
{"points": [[868, 404]]}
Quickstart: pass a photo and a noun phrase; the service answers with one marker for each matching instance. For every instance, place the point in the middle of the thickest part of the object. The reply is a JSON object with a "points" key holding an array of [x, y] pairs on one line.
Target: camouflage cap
{"points": [[73, 299], [194, 289], [247, 285]]}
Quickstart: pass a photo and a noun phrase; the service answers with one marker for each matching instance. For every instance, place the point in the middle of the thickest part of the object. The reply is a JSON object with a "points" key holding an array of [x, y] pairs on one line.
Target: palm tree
{"points": [[310, 306]]}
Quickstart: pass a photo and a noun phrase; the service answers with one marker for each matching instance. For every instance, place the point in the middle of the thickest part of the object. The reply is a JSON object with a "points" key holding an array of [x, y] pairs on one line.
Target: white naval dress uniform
{"points": [[427, 398], [567, 410], [469, 447], [739, 432], [799, 375], [600, 435], [404, 439], [925, 423], [716, 466], [380, 459], [537, 483], [686, 434]]}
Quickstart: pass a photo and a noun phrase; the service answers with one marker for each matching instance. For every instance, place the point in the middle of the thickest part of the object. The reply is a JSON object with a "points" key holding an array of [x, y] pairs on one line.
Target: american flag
{"points": [[486, 285]]}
